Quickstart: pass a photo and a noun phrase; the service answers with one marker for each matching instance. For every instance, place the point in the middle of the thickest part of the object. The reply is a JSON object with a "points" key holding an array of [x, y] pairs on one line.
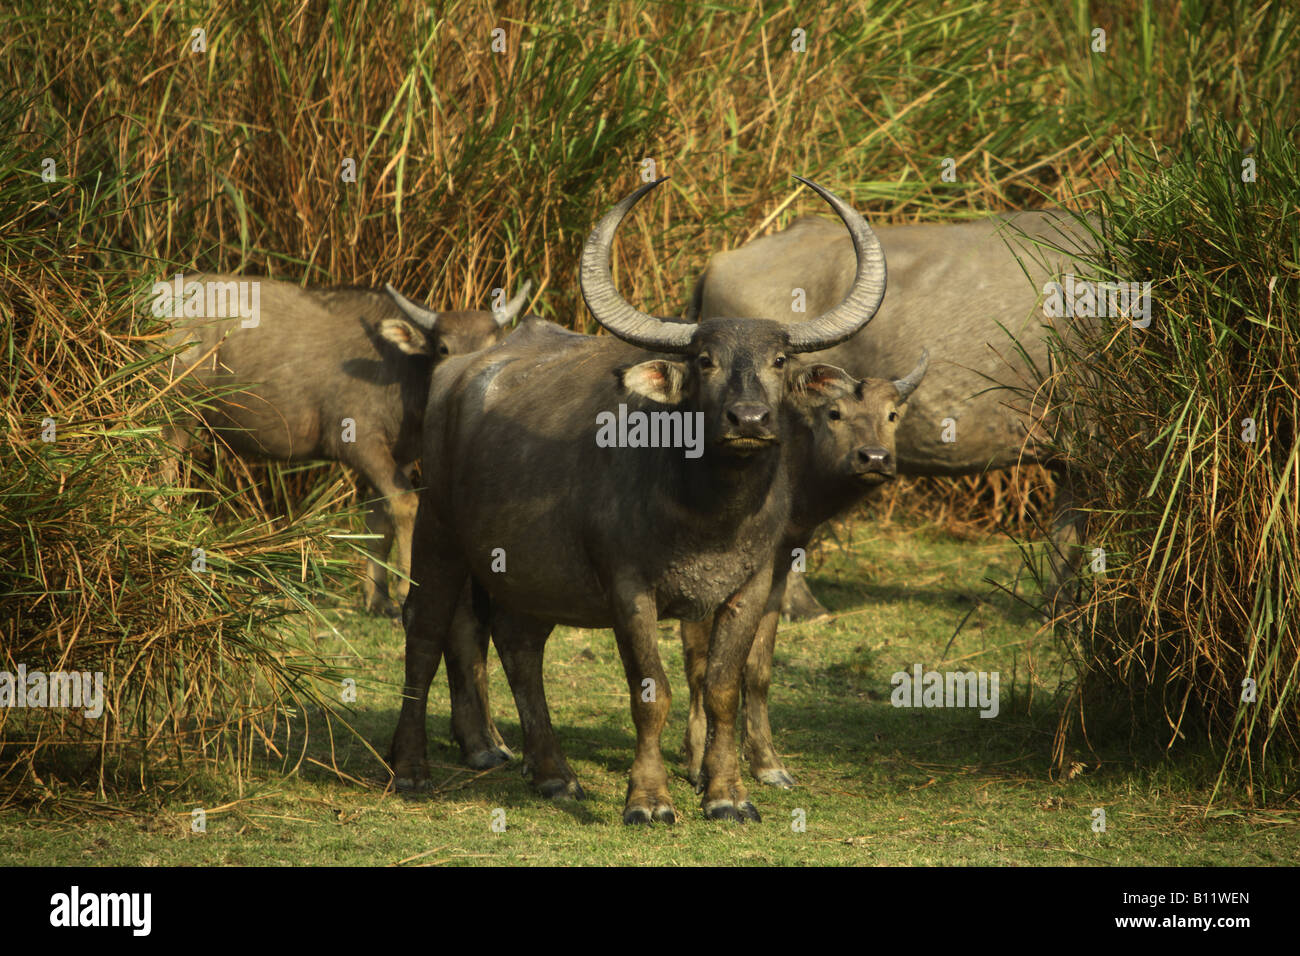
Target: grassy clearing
{"points": [[878, 785], [476, 168]]}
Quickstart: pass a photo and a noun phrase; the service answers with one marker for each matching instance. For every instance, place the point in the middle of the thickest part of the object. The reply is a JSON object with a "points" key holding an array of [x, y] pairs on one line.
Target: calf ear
{"points": [[658, 380], [817, 383], [405, 336]]}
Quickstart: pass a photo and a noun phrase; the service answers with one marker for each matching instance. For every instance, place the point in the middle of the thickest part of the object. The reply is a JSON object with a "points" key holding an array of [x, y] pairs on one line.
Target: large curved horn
{"points": [[860, 305], [416, 313], [506, 314], [608, 307], [906, 386]]}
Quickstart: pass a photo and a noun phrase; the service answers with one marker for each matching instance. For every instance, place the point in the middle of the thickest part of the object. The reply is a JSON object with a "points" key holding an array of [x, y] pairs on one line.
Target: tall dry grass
{"points": [[1183, 436]]}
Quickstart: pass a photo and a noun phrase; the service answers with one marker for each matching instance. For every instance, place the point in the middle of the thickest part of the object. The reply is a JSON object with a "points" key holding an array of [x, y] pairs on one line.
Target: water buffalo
{"points": [[843, 449], [340, 374], [963, 290], [577, 533], [840, 447]]}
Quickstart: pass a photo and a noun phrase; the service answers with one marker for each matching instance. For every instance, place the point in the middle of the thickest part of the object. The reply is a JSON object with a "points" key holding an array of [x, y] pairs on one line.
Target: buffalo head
{"points": [[851, 422], [736, 371], [440, 334]]}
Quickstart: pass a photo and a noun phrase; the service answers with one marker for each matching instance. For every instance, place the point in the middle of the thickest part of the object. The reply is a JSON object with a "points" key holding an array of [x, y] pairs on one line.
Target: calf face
{"points": [[851, 426]]}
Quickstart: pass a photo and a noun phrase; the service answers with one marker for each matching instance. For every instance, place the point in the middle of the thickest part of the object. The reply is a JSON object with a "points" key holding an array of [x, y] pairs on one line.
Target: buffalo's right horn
{"points": [[416, 313], [608, 307], [864, 296]]}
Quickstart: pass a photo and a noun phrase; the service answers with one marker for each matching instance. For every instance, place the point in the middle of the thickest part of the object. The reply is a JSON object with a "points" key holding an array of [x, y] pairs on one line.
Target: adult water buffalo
{"points": [[577, 533], [963, 290], [840, 447], [340, 374]]}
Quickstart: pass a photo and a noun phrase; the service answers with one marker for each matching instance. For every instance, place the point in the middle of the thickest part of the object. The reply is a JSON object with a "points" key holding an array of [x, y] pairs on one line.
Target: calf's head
{"points": [[440, 334], [735, 371], [851, 422]]}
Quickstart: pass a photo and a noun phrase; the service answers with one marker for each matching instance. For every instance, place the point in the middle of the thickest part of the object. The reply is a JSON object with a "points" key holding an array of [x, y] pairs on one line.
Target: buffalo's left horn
{"points": [[906, 386], [416, 313], [506, 314], [863, 299], [608, 307]]}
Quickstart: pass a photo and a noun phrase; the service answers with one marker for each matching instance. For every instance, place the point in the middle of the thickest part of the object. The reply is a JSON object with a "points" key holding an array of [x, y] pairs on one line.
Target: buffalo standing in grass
{"points": [[335, 374], [557, 529], [840, 448]]}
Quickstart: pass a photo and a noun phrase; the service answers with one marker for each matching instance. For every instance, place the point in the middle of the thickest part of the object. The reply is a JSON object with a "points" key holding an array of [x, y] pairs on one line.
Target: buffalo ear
{"points": [[817, 383], [658, 380], [405, 336]]}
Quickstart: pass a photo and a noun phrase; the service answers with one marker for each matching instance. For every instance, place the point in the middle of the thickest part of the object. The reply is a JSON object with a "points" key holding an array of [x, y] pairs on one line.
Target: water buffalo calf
{"points": [[841, 449]]}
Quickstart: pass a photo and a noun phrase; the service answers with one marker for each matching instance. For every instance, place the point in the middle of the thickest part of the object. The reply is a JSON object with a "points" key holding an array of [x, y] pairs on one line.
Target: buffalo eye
{"points": [[779, 362], [834, 415], [893, 416], [442, 349], [705, 361]]}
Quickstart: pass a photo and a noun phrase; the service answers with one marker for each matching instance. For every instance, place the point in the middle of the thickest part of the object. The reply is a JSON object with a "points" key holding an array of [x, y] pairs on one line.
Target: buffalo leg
{"points": [[695, 652], [439, 577], [521, 642], [735, 624], [395, 521], [759, 750], [177, 439], [637, 632], [375, 587], [800, 603], [480, 743]]}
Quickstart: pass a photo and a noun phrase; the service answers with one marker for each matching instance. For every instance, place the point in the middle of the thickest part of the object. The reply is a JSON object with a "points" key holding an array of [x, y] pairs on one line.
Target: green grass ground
{"points": [[876, 785]]}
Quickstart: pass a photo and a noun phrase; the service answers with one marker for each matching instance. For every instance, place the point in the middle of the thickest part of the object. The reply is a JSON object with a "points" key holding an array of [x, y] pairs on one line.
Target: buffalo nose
{"points": [[875, 459], [749, 414]]}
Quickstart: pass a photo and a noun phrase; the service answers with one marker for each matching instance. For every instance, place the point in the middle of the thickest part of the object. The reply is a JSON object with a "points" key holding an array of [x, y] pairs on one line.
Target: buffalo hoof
{"points": [[722, 810], [489, 757], [734, 812], [696, 779], [664, 814], [776, 777], [416, 786], [384, 607], [561, 789], [799, 603], [661, 812]]}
